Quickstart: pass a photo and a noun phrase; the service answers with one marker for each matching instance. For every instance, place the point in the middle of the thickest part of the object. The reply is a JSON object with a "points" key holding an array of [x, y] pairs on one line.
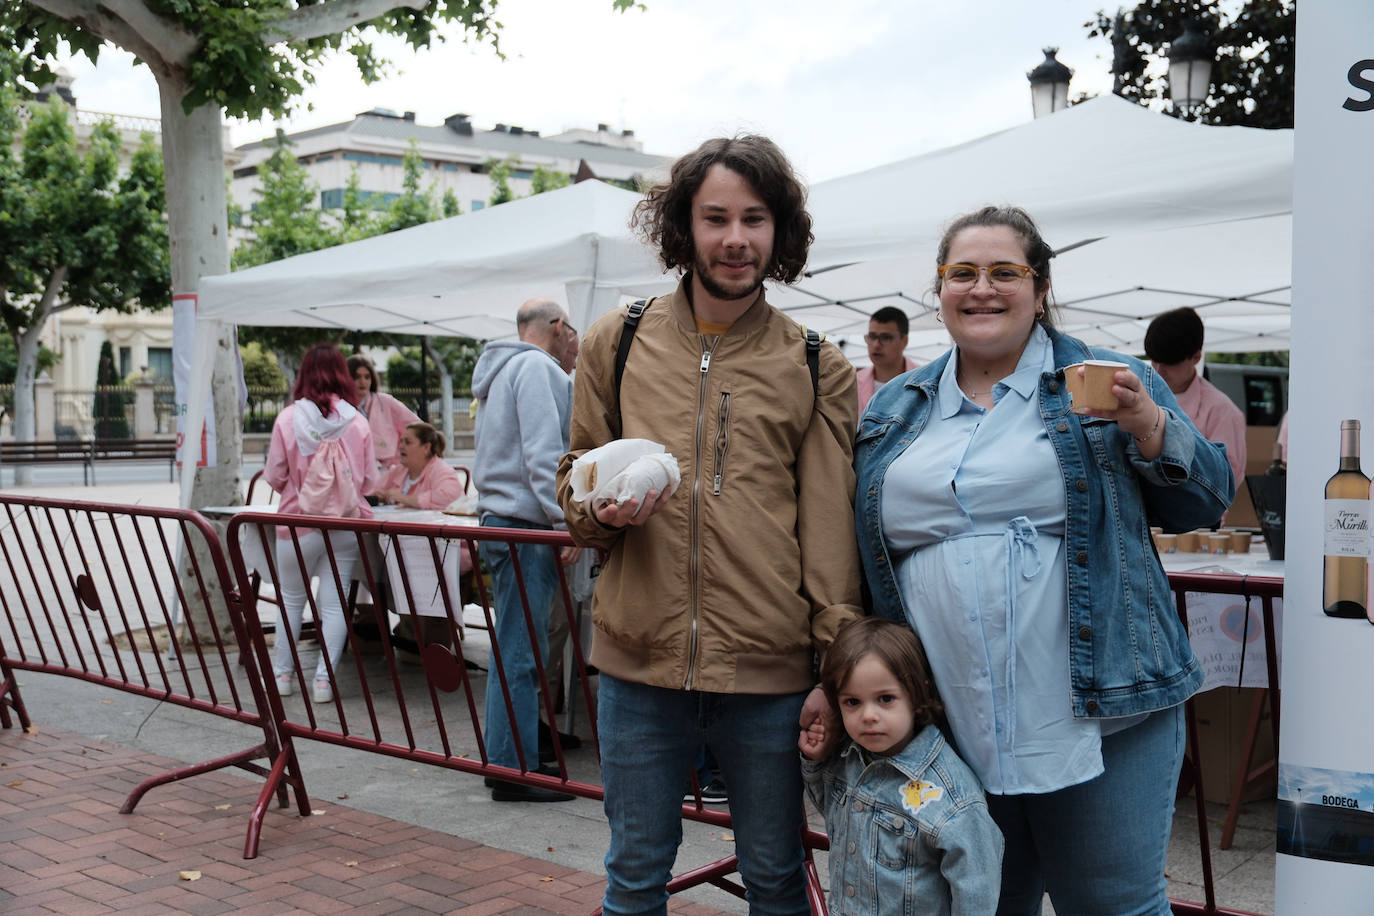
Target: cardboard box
{"points": [[1222, 717]]}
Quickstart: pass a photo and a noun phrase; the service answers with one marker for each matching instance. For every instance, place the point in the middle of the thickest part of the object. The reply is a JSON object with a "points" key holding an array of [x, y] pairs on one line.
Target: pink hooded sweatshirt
{"points": [[295, 437]]}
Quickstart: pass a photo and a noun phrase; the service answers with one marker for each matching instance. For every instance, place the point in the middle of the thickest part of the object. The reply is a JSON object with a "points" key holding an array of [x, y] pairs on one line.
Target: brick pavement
{"points": [[65, 848]]}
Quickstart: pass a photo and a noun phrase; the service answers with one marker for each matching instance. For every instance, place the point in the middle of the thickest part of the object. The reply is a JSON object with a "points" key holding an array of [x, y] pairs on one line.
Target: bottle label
{"points": [[1347, 527]]}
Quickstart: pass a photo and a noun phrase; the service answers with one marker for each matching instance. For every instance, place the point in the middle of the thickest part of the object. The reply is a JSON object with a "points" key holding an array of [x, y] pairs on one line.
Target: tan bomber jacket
{"points": [[751, 567]]}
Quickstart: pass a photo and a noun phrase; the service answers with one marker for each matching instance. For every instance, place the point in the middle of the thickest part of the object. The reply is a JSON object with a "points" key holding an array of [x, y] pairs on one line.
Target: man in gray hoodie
{"points": [[524, 406]]}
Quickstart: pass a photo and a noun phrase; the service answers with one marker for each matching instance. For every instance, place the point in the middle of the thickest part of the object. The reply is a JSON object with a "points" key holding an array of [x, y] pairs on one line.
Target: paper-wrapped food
{"points": [[622, 470]]}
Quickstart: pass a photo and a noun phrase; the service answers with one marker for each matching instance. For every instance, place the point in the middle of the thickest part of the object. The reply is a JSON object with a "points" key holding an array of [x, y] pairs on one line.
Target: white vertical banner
{"points": [[183, 350], [1326, 755]]}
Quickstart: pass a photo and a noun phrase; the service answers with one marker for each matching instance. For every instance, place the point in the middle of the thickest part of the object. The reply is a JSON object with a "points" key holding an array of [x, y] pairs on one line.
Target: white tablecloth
{"points": [[1217, 624]]}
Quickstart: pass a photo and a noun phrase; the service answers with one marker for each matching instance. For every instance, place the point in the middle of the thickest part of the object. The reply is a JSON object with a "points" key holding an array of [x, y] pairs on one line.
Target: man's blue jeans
{"points": [[539, 569], [650, 737]]}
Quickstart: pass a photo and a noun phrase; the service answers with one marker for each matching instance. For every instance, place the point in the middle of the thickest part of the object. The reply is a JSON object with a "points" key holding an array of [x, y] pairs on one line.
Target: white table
{"points": [[414, 552]]}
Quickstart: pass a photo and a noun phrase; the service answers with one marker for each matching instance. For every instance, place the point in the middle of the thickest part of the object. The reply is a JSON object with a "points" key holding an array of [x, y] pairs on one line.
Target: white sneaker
{"points": [[322, 692], [286, 684]]}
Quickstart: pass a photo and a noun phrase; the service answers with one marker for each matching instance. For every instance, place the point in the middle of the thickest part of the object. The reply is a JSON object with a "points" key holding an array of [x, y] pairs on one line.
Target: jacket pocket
{"points": [[871, 432], [722, 441], [895, 836]]}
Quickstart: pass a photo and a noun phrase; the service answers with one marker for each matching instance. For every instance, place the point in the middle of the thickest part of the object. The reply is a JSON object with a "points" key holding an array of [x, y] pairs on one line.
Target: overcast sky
{"points": [[840, 86]]}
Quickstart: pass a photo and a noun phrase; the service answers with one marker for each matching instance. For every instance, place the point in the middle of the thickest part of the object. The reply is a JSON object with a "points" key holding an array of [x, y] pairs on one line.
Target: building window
{"points": [[368, 157], [126, 362], [477, 205], [160, 363], [325, 158], [247, 171]]}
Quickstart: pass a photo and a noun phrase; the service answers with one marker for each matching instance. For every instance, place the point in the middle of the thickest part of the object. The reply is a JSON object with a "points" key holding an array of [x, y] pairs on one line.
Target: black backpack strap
{"points": [[814, 339], [627, 337]]}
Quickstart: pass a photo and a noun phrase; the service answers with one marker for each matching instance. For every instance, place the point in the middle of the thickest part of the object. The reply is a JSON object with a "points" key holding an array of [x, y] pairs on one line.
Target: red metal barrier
{"points": [[430, 716], [1266, 589], [88, 592]]}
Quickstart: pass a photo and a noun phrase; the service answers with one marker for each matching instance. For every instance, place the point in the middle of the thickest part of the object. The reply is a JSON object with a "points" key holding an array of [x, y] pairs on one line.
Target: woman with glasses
{"points": [[1012, 535]]}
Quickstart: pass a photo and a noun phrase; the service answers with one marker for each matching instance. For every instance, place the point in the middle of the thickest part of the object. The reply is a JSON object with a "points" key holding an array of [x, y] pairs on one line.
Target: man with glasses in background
{"points": [[524, 407], [886, 339]]}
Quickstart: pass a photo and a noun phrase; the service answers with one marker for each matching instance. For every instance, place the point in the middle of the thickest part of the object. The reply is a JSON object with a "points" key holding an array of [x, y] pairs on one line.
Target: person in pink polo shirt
{"points": [[422, 480], [387, 416], [886, 339], [1173, 344]]}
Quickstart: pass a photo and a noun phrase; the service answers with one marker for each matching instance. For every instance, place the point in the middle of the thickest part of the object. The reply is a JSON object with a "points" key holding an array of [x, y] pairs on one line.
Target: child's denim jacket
{"points": [[908, 834]]}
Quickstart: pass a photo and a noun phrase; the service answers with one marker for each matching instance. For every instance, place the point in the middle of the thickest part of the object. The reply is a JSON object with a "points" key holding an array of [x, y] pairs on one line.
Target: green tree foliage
{"points": [[459, 355], [546, 179], [73, 230], [260, 369], [1253, 48], [110, 410], [498, 170], [413, 207], [285, 219]]}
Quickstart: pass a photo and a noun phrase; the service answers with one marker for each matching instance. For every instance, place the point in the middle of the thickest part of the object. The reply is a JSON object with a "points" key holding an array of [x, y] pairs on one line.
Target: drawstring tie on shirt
{"points": [[1023, 561]]}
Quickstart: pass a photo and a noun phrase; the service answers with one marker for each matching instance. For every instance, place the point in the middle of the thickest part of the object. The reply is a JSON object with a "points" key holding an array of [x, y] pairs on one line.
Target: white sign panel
{"points": [[183, 346], [1326, 756]]}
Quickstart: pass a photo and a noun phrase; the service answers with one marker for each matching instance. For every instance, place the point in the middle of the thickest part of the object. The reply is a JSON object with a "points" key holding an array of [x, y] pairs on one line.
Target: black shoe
{"points": [[366, 631], [713, 793], [517, 792], [546, 752], [542, 770]]}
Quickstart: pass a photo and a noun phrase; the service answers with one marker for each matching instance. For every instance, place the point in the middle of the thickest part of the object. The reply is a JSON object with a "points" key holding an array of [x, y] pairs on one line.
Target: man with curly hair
{"points": [[717, 597]]}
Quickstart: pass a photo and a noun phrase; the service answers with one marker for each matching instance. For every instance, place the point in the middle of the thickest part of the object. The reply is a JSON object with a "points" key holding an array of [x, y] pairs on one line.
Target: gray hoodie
{"points": [[524, 408]]}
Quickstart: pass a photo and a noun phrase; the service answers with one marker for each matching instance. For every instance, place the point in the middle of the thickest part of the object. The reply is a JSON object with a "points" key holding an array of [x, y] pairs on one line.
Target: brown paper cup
{"points": [[1240, 541], [1187, 542], [1094, 390], [1218, 543], [1166, 543]]}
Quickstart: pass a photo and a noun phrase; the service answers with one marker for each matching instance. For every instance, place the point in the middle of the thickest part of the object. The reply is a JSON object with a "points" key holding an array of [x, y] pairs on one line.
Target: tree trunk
{"points": [[445, 391], [26, 371], [197, 222]]}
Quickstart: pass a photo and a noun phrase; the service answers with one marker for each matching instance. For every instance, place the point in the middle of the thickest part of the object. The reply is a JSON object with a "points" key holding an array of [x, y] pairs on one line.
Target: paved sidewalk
{"points": [[69, 850]]}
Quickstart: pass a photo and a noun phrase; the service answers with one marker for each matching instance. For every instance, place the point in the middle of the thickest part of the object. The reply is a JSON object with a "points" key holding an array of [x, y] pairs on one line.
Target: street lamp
{"points": [[1190, 70], [1049, 84]]}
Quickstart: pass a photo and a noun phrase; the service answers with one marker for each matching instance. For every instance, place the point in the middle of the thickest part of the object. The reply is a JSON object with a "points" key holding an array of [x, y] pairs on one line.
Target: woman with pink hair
{"points": [[322, 409]]}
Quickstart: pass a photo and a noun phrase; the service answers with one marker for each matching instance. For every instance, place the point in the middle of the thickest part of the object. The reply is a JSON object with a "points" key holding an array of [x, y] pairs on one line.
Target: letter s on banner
{"points": [[1361, 76]]}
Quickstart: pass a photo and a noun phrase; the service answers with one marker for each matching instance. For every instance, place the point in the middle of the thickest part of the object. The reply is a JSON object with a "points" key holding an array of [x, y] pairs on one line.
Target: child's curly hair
{"points": [[897, 647]]}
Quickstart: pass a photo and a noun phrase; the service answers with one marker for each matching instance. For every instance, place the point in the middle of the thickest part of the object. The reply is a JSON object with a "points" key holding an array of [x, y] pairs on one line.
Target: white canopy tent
{"points": [[463, 276], [1148, 213]]}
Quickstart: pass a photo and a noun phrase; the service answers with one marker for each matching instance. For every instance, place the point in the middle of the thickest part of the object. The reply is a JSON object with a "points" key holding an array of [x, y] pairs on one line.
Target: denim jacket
{"points": [[909, 833], [1128, 650]]}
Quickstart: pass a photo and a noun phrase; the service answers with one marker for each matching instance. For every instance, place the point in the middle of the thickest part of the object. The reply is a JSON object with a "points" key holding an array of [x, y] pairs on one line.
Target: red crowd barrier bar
{"points": [[435, 718], [1266, 588], [89, 591]]}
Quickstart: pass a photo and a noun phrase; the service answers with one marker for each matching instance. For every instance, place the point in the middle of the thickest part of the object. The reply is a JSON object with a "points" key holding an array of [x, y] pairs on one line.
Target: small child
{"points": [[909, 826]]}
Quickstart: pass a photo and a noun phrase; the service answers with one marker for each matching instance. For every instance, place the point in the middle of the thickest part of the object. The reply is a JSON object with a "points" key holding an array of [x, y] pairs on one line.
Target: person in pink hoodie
{"points": [[421, 480], [387, 416], [322, 409]]}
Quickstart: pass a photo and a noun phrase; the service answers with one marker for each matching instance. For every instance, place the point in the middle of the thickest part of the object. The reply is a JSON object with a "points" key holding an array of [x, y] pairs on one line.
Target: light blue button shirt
{"points": [[974, 513]]}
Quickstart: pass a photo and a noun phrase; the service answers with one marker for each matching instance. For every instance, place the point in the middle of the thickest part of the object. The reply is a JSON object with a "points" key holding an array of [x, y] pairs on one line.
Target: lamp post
{"points": [[1190, 70], [1049, 84]]}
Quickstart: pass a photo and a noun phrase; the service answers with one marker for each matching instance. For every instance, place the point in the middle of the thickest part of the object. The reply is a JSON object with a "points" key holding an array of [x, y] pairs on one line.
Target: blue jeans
{"points": [[1099, 847], [539, 569], [650, 737]]}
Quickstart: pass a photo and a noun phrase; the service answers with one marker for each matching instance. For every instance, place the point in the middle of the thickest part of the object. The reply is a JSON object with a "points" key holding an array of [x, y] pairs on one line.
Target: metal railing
{"points": [[88, 591]]}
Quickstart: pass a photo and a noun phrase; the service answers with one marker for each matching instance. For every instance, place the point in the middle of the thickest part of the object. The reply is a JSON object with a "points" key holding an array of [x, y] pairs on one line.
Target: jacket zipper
{"points": [[706, 348], [722, 440]]}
